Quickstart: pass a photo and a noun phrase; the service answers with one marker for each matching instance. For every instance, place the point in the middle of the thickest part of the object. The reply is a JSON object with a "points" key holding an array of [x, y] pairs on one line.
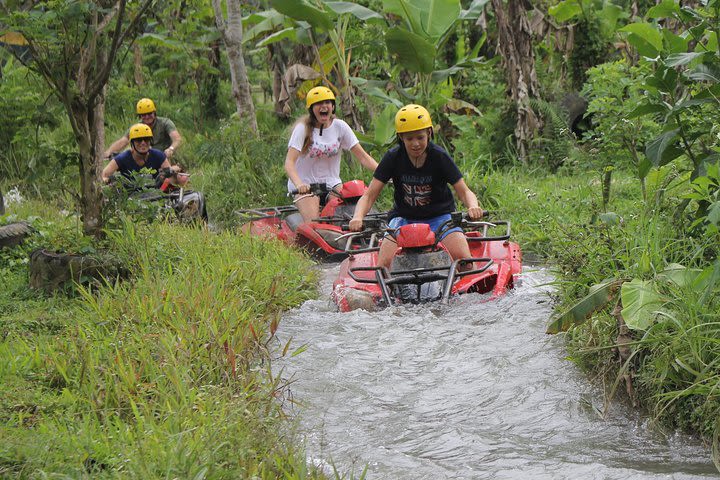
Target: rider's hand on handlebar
{"points": [[167, 172], [303, 189], [475, 213], [355, 225]]}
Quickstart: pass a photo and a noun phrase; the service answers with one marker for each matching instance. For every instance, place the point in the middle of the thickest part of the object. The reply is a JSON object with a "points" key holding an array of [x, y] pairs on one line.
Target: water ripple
{"points": [[474, 389]]}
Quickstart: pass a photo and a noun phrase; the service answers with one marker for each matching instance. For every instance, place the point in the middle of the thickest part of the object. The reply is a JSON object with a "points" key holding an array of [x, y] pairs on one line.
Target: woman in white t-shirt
{"points": [[315, 150]]}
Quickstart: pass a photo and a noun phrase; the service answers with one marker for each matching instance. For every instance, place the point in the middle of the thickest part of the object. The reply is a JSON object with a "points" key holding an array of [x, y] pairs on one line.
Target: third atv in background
{"points": [[166, 192]]}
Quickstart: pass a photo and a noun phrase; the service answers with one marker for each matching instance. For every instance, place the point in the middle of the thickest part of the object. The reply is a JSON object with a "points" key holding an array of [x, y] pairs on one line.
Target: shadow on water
{"points": [[470, 390]]}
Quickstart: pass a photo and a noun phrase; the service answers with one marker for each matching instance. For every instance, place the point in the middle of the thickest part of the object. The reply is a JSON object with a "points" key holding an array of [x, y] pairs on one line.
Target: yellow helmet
{"points": [[140, 130], [318, 94], [145, 105], [412, 117]]}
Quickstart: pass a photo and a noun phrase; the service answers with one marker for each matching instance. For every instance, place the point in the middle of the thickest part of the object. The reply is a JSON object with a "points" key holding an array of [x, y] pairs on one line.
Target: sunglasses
{"points": [[144, 139]]}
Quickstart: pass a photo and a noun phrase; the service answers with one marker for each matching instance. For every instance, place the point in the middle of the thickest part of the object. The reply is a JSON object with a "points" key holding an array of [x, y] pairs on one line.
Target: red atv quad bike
{"points": [[168, 189], [422, 269], [324, 237]]}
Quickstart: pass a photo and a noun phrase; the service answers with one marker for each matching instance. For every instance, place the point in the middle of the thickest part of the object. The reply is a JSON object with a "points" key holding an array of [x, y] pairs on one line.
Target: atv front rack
{"points": [[252, 214], [370, 220], [419, 276]]}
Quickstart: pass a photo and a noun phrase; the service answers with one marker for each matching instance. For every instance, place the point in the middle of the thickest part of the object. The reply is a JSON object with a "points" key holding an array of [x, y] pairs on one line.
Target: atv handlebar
{"points": [[315, 189], [263, 213], [374, 223], [461, 219], [373, 228], [377, 223]]}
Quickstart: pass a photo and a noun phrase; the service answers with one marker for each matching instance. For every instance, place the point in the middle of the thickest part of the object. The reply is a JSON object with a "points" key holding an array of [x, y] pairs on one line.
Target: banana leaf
{"points": [[598, 297]]}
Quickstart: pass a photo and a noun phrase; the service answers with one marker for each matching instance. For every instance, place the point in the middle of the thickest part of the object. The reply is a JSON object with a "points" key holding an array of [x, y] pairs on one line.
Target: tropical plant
{"points": [[317, 24], [706, 193], [417, 42], [232, 32], [683, 86], [179, 50], [614, 90], [595, 24], [76, 64]]}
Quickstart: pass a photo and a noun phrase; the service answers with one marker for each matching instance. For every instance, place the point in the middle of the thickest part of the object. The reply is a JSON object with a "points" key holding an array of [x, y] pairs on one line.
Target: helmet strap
{"points": [[315, 121], [144, 156]]}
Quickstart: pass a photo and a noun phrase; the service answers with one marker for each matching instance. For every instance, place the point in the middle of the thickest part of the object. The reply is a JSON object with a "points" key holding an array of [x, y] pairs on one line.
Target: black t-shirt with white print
{"points": [[420, 193]]}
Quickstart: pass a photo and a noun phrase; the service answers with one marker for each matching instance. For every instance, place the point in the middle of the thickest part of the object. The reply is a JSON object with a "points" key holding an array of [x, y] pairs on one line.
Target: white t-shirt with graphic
{"points": [[321, 163]]}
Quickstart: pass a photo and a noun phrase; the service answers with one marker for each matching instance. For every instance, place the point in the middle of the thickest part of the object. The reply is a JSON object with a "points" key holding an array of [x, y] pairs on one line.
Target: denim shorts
{"points": [[434, 222]]}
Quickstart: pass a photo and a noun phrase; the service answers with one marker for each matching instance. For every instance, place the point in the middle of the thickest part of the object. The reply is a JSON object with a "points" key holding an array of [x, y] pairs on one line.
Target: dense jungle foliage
{"points": [[167, 373]]}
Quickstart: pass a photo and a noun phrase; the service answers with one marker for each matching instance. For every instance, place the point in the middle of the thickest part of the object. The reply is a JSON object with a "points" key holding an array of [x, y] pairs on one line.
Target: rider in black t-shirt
{"points": [[421, 172]]}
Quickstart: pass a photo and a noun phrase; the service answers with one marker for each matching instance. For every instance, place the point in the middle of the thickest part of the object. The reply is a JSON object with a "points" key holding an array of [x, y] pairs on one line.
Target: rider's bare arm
{"points": [[365, 159], [290, 160], [468, 198], [365, 204], [176, 141], [117, 146], [109, 169]]}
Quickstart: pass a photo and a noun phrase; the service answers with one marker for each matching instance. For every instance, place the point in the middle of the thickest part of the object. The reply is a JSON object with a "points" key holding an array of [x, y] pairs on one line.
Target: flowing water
{"points": [[469, 390]]}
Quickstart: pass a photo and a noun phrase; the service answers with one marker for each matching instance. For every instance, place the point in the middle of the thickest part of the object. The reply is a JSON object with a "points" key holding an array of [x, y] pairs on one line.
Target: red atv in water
{"points": [[423, 271], [324, 237]]}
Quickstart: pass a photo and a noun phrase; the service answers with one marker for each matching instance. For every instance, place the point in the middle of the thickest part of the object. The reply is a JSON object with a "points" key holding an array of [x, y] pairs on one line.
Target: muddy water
{"points": [[470, 390]]}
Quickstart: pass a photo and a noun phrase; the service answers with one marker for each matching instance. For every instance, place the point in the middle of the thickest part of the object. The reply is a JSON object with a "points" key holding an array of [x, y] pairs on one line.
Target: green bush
{"points": [[613, 91], [591, 47], [239, 170], [38, 143], [484, 87]]}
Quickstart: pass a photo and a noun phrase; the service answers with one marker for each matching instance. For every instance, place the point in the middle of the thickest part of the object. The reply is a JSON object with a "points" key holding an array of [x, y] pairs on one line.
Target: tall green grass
{"points": [[163, 376]]}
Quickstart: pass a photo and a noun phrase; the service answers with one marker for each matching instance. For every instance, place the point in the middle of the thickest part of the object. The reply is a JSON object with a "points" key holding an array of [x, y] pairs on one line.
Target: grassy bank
{"points": [[166, 375], [670, 364]]}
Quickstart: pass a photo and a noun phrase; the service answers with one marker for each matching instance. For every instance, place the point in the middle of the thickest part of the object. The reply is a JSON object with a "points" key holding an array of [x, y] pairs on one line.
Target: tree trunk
{"points": [[89, 133], [278, 66], [137, 65], [515, 45], [232, 35]]}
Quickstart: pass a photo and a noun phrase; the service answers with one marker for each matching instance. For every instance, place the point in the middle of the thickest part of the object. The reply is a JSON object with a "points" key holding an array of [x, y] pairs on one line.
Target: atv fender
{"points": [[306, 236]]}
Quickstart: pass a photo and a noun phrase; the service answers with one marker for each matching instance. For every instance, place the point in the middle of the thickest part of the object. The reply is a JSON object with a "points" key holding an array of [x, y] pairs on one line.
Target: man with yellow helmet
{"points": [[140, 155], [165, 135], [315, 149], [420, 171]]}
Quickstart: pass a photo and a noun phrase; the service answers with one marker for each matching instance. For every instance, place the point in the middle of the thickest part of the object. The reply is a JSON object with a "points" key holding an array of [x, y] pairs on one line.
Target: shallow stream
{"points": [[470, 390]]}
